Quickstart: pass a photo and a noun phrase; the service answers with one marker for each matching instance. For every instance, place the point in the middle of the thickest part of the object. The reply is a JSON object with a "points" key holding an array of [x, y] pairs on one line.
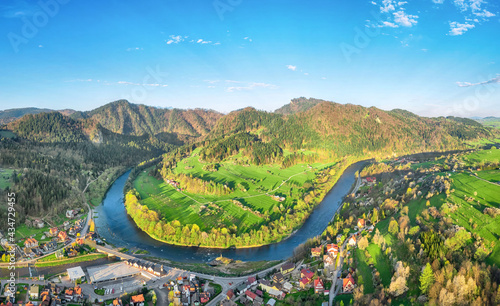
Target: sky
{"points": [[431, 57]]}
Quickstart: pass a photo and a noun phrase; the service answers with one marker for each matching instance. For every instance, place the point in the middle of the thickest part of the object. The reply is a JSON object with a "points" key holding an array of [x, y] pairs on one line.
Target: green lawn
{"points": [[89, 257], [7, 134], [382, 263], [364, 270], [191, 208], [5, 175]]}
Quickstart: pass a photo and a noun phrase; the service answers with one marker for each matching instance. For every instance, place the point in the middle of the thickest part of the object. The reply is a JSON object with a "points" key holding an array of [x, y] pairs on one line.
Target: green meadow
{"points": [[5, 175], [251, 185]]}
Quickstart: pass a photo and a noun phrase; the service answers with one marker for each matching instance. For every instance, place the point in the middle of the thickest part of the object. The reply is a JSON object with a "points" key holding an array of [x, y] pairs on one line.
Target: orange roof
{"points": [[78, 290], [138, 298], [116, 302], [316, 250], [348, 280], [29, 303], [318, 283], [361, 222]]}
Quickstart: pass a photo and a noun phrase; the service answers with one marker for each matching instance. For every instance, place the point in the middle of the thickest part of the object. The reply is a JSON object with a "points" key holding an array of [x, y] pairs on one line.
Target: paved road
{"points": [[341, 258]]}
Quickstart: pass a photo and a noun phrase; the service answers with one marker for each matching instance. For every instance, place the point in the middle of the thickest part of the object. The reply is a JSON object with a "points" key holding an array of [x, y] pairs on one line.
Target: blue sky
{"points": [[431, 57]]}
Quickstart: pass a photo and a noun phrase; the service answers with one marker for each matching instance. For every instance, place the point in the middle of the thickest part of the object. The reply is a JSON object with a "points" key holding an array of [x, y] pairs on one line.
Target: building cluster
{"points": [[189, 291], [174, 184], [278, 198], [153, 268], [52, 295]]}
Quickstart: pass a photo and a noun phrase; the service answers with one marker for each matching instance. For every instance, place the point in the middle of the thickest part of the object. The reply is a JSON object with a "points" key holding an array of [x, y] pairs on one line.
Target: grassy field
{"points": [[364, 270], [252, 187], [381, 262], [7, 134], [5, 175], [88, 257]]}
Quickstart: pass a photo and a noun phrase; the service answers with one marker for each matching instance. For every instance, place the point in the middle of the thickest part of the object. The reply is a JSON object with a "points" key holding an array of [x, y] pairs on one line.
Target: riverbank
{"points": [[234, 269], [271, 232]]}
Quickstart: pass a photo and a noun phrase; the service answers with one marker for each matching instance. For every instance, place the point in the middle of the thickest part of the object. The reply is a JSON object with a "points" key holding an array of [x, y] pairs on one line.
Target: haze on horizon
{"points": [[431, 57]]}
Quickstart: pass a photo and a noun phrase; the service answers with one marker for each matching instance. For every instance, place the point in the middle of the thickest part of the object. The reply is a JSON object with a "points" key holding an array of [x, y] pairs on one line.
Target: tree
{"points": [[393, 227], [426, 279], [363, 243], [398, 281], [374, 217]]}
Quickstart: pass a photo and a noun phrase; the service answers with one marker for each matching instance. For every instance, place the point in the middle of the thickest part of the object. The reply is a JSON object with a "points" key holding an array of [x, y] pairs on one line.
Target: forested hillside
{"points": [[126, 118], [313, 135]]}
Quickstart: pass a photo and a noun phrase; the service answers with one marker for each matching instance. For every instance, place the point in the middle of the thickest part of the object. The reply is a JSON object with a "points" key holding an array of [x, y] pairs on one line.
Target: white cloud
{"points": [[438, 1], [120, 83], [40, 46], [250, 86], [175, 39], [459, 28], [248, 38], [291, 67], [394, 14], [491, 81], [474, 8], [404, 19], [134, 49]]}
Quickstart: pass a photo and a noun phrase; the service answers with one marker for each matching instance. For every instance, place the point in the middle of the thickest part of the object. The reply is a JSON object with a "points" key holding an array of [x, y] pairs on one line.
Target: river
{"points": [[117, 228]]}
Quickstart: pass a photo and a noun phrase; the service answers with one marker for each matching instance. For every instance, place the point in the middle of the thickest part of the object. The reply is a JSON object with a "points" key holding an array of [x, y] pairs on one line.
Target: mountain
{"points": [[13, 114], [348, 129], [298, 105], [489, 121], [123, 117]]}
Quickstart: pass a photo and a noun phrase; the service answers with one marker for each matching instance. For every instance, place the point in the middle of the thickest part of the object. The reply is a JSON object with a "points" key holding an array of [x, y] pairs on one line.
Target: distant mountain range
{"points": [[489, 121], [302, 122], [13, 114]]}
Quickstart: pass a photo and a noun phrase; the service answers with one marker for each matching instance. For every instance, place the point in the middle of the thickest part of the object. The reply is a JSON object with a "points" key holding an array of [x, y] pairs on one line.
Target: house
{"points": [[38, 223], [348, 284], [79, 241], [53, 231], [66, 225], [278, 278], [68, 294], [287, 268], [251, 281], [71, 213], [287, 287], [71, 231], [250, 295], [371, 179], [332, 249], [304, 281], [271, 302], [259, 293], [45, 298], [50, 246], [117, 302], [306, 273], [31, 243], [230, 294], [158, 270], [361, 223], [370, 228], [62, 236], [318, 286], [78, 293], [265, 285], [328, 260], [137, 300], [34, 291], [352, 240], [276, 294], [228, 303], [315, 252], [204, 297]]}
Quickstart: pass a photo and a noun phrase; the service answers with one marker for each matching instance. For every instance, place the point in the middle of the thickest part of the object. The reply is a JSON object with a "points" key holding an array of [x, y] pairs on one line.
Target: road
{"points": [[341, 252]]}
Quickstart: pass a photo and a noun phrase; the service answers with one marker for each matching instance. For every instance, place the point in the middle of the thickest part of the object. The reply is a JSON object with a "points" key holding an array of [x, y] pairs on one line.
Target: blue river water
{"points": [[116, 227]]}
